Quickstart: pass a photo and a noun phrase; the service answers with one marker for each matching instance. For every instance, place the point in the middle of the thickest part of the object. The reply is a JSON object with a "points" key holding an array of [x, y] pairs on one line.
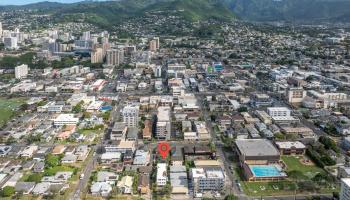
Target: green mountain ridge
{"points": [[291, 10], [105, 14]]}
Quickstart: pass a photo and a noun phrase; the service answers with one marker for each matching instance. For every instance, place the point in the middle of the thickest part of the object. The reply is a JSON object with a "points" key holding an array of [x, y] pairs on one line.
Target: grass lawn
{"points": [[268, 188], [62, 168], [8, 108], [293, 163]]}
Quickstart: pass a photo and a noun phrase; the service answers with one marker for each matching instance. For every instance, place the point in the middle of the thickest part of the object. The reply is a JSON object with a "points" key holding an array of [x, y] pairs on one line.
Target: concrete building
{"points": [[249, 153], [163, 127], [130, 115], [114, 57], [212, 179], [21, 71], [65, 119], [291, 148], [97, 55], [118, 131], [153, 45], [295, 96], [10, 42], [158, 71], [278, 111], [162, 176], [147, 131], [345, 189]]}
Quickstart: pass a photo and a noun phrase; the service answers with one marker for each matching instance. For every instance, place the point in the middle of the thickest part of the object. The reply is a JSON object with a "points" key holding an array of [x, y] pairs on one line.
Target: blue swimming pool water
{"points": [[106, 108], [265, 170]]}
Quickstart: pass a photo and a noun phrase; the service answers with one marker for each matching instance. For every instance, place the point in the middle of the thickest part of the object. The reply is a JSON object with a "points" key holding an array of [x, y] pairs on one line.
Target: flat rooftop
{"points": [[256, 147]]}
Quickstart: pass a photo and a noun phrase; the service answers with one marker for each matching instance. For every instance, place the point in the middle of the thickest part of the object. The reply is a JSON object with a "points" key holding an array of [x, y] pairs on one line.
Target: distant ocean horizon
{"points": [[24, 2]]}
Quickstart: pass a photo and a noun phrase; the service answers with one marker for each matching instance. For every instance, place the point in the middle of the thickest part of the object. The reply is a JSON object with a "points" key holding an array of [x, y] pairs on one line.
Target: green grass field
{"points": [[8, 108], [268, 188], [52, 171], [289, 186], [293, 164]]}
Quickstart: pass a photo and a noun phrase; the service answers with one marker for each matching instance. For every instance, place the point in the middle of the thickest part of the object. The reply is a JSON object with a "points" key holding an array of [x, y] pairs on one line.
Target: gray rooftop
{"points": [[256, 147]]}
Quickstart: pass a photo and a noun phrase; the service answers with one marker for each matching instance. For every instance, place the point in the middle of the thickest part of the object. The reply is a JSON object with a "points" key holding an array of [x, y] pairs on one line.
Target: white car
{"points": [[81, 176]]}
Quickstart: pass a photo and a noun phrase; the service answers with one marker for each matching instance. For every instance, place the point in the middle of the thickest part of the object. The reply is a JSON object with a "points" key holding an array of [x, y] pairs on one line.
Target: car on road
{"points": [[81, 176]]}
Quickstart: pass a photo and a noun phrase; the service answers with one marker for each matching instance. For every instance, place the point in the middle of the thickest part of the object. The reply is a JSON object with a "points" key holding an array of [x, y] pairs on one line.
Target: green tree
{"points": [[86, 115], [231, 197], [34, 178], [51, 161], [78, 108], [243, 109], [7, 191], [10, 140]]}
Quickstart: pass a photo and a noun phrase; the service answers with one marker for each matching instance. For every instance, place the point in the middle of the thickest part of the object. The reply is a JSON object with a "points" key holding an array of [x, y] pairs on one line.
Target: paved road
{"points": [[232, 187], [81, 187]]}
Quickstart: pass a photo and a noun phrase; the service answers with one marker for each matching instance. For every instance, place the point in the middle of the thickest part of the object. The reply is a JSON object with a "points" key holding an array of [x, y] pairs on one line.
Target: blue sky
{"points": [[22, 2]]}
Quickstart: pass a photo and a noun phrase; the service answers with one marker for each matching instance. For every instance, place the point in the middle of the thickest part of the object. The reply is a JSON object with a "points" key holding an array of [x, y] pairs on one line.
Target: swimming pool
{"points": [[266, 171]]}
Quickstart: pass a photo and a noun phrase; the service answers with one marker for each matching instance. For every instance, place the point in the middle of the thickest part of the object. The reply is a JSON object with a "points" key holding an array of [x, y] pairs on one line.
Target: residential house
{"points": [[29, 151], [125, 184], [110, 157], [143, 184], [39, 167], [109, 177], [58, 149], [41, 188], [70, 158], [101, 189], [141, 158], [24, 187]]}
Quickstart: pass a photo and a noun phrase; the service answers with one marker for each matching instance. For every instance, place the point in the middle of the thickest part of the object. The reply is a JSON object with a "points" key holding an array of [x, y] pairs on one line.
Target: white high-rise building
{"points": [[153, 45], [157, 41], [86, 36], [10, 42], [114, 57], [130, 115], [158, 71], [0, 29], [97, 55], [163, 129], [21, 71], [345, 189]]}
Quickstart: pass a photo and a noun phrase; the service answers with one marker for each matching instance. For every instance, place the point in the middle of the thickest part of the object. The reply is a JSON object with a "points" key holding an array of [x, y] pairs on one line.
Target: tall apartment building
{"points": [[345, 189], [163, 127], [208, 179], [86, 36], [157, 42], [10, 42], [158, 71], [97, 55], [130, 115], [114, 57], [295, 95], [0, 29], [153, 45], [21, 71]]}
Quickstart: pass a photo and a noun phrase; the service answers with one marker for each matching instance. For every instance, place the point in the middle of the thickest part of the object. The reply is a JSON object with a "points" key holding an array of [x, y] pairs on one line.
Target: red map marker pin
{"points": [[163, 149]]}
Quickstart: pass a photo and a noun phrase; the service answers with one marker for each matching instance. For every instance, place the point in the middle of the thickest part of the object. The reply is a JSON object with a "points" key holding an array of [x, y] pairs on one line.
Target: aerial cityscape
{"points": [[175, 99]]}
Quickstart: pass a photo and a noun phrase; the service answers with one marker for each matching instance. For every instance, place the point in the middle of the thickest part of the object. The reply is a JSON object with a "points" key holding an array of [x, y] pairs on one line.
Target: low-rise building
{"points": [[291, 148], [162, 176], [207, 179], [125, 184]]}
